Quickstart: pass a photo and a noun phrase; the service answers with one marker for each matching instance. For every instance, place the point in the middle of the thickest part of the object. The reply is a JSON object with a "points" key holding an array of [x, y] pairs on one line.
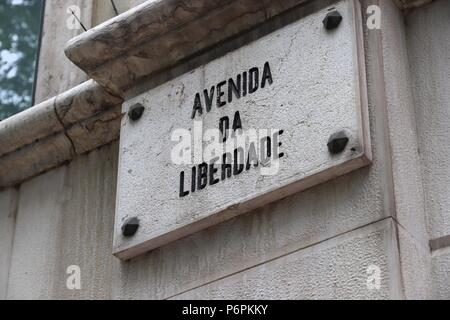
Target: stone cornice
{"points": [[56, 130], [157, 35], [120, 54], [137, 45]]}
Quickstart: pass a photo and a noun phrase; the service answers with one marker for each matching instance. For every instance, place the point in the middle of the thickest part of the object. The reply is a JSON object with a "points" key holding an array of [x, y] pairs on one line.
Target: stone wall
{"points": [[429, 59], [319, 243], [56, 74]]}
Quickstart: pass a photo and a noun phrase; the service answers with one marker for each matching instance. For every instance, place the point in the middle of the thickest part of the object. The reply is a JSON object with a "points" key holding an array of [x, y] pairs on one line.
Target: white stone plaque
{"points": [[287, 93]]}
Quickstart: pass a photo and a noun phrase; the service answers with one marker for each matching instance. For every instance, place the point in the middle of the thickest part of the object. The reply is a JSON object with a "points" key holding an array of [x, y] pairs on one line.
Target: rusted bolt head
{"points": [[338, 142], [136, 112], [130, 227], [332, 20]]}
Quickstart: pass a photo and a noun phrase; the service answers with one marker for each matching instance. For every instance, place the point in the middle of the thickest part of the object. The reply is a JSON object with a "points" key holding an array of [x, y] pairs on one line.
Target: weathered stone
{"points": [[55, 74], [271, 97], [8, 212], [28, 126], [77, 121], [65, 218], [335, 269], [83, 102], [96, 131], [101, 51], [316, 244], [35, 158]]}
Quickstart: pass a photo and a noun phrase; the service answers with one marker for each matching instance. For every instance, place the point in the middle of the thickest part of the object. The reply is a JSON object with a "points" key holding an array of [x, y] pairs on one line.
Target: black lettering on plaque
{"points": [[227, 171], [277, 145], [266, 150], [238, 161], [194, 179], [267, 76], [253, 83], [220, 94], [209, 98], [244, 84], [202, 176], [237, 123], [224, 127], [213, 171], [252, 157], [182, 192], [197, 106], [234, 88]]}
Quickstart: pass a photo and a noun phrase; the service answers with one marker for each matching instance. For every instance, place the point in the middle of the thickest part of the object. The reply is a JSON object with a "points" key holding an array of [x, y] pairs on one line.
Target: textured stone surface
{"points": [[166, 32], [415, 259], [52, 116], [429, 59], [159, 41], [299, 102], [103, 10], [65, 218], [441, 274], [8, 208], [298, 222], [334, 269], [416, 266], [407, 176], [295, 223], [160, 15], [45, 136], [96, 131], [55, 73], [429, 56], [83, 102], [28, 126], [36, 158]]}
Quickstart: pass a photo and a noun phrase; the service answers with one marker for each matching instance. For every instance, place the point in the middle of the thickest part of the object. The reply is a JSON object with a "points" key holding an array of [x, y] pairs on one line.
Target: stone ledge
{"points": [[145, 22], [165, 33], [46, 135]]}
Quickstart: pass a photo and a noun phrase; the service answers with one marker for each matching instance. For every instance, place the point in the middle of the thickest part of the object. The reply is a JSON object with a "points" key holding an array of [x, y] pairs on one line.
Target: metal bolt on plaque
{"points": [[136, 112], [332, 20], [130, 227], [338, 142]]}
